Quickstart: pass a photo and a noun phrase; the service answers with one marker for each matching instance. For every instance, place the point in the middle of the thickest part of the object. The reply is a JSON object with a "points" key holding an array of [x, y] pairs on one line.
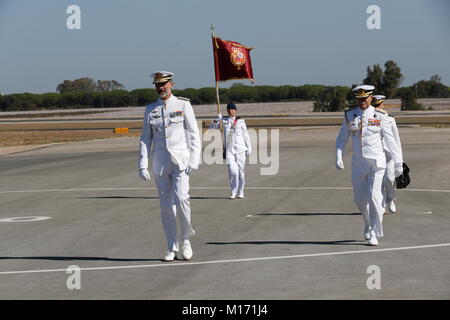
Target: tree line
{"points": [[89, 85], [238, 93], [87, 93]]}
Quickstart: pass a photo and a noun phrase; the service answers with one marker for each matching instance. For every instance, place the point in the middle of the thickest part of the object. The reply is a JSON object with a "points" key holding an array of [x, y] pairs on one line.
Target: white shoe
{"points": [[241, 196], [373, 241], [186, 251], [392, 207], [233, 196], [170, 256], [366, 232]]}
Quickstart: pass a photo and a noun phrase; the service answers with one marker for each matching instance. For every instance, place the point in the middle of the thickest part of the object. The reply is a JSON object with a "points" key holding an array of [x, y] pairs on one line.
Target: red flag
{"points": [[231, 60]]}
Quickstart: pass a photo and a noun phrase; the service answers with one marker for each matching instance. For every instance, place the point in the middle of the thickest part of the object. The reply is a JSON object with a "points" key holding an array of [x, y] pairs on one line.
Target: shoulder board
{"points": [[381, 111], [183, 98], [345, 116], [239, 118], [347, 111], [351, 108], [391, 116]]}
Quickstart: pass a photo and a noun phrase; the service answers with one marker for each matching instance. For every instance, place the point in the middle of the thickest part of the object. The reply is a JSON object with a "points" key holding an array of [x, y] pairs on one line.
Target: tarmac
{"points": [[296, 235]]}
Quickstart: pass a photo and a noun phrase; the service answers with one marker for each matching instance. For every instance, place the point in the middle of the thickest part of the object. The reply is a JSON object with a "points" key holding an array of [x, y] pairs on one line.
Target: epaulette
{"points": [[183, 98], [381, 111], [346, 111], [350, 108], [238, 117], [390, 115], [346, 118]]}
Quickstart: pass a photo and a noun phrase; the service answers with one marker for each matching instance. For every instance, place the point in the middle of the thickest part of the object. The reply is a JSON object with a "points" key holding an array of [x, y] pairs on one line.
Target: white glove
{"points": [[398, 170], [144, 174], [215, 124], [339, 162]]}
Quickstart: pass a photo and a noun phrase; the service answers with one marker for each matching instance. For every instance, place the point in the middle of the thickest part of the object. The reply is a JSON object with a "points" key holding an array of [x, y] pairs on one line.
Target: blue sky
{"points": [[296, 42]]}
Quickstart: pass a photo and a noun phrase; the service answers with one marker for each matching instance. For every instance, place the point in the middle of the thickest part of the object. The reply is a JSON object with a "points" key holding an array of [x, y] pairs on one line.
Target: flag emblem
{"points": [[237, 57]]}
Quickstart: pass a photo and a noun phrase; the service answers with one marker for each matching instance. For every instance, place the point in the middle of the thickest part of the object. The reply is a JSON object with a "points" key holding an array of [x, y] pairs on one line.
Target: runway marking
{"points": [[175, 264], [24, 219], [211, 188]]}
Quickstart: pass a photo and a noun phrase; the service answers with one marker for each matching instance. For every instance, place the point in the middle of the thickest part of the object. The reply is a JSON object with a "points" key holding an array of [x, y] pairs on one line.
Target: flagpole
{"points": [[212, 27], [217, 97]]}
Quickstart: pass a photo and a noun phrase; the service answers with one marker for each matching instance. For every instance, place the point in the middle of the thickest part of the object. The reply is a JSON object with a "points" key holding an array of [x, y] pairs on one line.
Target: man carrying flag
{"points": [[232, 61], [237, 148]]}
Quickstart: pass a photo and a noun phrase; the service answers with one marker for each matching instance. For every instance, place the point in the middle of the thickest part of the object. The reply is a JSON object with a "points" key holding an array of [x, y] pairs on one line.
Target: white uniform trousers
{"points": [[173, 189], [367, 179], [236, 172], [389, 181]]}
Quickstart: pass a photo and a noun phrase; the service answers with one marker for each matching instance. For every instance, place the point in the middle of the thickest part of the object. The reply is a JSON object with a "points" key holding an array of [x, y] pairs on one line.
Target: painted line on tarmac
{"points": [[211, 188], [25, 219], [175, 264]]}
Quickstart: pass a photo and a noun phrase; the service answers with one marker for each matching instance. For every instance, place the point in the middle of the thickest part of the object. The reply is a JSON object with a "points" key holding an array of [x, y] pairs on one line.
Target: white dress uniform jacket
{"points": [[396, 136], [172, 128], [237, 146], [235, 135], [389, 175], [372, 133]]}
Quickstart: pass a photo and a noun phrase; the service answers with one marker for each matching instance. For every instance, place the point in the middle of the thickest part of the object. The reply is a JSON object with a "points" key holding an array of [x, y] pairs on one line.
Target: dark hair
{"points": [[231, 106]]}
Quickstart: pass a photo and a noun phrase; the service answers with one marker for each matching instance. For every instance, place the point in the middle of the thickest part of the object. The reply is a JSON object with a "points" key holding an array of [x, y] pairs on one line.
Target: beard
{"points": [[163, 95]]}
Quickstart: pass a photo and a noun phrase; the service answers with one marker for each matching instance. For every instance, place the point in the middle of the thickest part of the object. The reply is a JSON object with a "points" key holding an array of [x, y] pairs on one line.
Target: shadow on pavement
{"points": [[337, 242], [309, 214], [117, 197], [207, 198], [125, 197], [75, 258]]}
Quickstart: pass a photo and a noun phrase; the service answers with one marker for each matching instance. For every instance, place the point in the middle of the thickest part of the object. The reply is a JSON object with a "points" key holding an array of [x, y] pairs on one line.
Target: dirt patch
{"points": [[50, 114], [104, 125], [21, 138]]}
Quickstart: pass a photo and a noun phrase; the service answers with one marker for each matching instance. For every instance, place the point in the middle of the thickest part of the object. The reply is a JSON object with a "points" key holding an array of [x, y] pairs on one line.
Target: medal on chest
{"points": [[355, 125], [374, 122]]}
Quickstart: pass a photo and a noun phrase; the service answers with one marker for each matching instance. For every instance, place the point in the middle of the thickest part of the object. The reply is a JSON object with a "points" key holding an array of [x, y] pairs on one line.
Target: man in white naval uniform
{"points": [[237, 148], [370, 130], [171, 128], [388, 187]]}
